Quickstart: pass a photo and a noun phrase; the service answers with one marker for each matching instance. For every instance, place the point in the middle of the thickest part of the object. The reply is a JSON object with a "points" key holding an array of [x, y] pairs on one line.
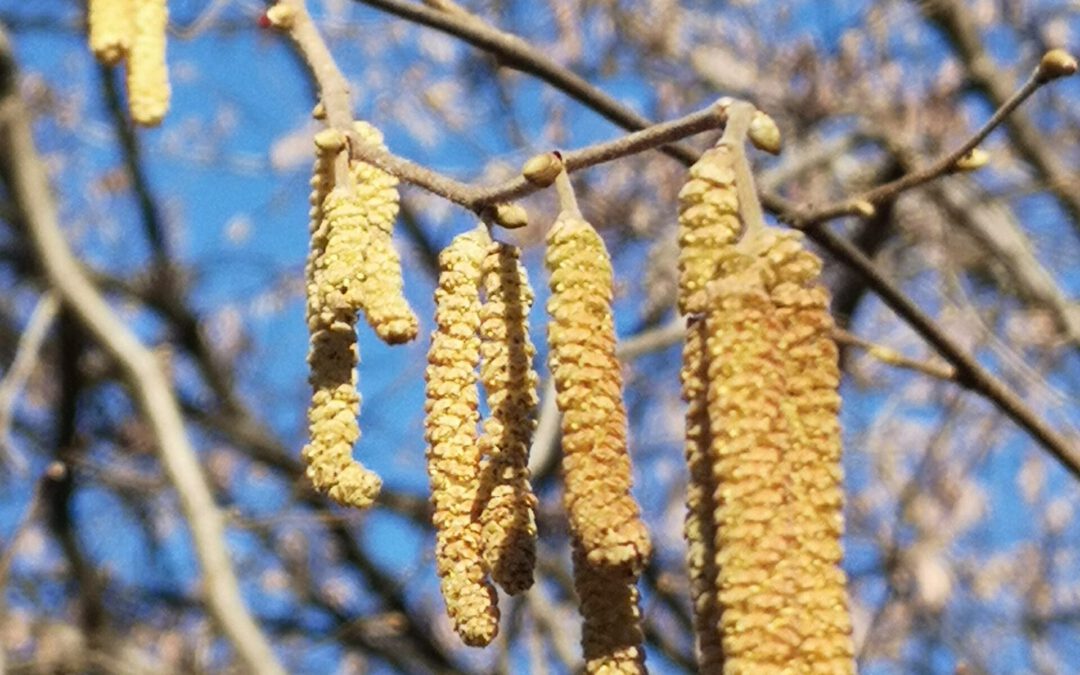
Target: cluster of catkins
{"points": [[133, 31], [760, 376]]}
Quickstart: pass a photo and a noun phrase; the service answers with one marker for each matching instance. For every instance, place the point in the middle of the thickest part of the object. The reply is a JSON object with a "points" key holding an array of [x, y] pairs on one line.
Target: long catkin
{"points": [[377, 283], [110, 27], [333, 356], [507, 518], [588, 384], [453, 454], [328, 145], [147, 71], [709, 224], [773, 406]]}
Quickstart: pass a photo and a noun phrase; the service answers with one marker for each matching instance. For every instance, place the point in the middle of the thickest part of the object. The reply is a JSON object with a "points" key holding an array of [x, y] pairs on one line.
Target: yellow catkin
{"points": [[148, 73], [773, 379], [588, 383], [109, 23], [745, 395], [328, 144], [378, 286], [708, 221], [812, 458], [335, 403], [507, 520], [611, 637], [453, 454], [700, 525]]}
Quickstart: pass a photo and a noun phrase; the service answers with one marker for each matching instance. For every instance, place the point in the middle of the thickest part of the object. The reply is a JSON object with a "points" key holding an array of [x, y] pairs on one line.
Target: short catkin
{"points": [[377, 283], [333, 357], [453, 454], [507, 518], [588, 383], [147, 71], [110, 27]]}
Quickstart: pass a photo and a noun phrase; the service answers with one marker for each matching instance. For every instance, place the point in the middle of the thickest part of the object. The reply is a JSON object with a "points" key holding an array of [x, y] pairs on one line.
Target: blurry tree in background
{"points": [[961, 541]]}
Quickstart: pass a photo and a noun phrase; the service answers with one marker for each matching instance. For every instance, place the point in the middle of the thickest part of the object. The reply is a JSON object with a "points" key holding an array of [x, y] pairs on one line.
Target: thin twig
{"points": [[29, 188], [889, 356], [21, 367], [804, 219]]}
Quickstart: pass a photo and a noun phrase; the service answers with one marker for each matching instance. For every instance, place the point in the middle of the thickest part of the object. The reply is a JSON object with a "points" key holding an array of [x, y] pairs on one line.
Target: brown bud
{"points": [[542, 170]]}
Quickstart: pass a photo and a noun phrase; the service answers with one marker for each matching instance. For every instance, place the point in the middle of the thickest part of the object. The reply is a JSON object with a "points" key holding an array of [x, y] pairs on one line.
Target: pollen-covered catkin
{"points": [[453, 454], [708, 222], [333, 356], [507, 518], [147, 71], [753, 538], [588, 384], [328, 144], [110, 26], [812, 458], [611, 637], [379, 285]]}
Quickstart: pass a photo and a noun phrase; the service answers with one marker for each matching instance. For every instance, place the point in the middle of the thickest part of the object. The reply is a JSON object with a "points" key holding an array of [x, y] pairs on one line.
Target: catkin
{"points": [[333, 357], [109, 23], [328, 144], [147, 72], [377, 284], [507, 518], [453, 454], [708, 222], [611, 635], [588, 383], [773, 402], [812, 457]]}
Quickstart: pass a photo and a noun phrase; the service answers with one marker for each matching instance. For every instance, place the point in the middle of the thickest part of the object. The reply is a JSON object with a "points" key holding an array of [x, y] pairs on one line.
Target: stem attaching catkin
{"points": [[453, 453], [507, 518]]}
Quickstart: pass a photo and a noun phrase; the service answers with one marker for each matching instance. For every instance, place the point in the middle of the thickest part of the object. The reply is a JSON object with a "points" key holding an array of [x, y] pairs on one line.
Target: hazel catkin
{"points": [[378, 286], [109, 23], [588, 384], [507, 519], [453, 454], [611, 637], [333, 356], [147, 71]]}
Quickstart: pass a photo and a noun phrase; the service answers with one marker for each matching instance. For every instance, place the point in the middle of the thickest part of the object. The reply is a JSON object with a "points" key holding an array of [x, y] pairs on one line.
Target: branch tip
{"points": [[1054, 64]]}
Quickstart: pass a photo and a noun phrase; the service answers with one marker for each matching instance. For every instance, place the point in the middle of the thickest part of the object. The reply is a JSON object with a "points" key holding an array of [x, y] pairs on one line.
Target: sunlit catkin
{"points": [[588, 382], [379, 286], [333, 356], [110, 27], [507, 519], [147, 71], [328, 144], [811, 460], [745, 399], [708, 221], [611, 635], [453, 454], [775, 452]]}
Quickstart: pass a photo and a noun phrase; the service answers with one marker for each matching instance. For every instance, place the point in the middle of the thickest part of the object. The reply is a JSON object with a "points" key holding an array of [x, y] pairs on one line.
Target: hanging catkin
{"points": [[611, 636], [377, 284], [507, 519], [110, 27], [328, 145], [333, 356], [147, 72], [588, 382], [453, 454], [812, 457]]}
